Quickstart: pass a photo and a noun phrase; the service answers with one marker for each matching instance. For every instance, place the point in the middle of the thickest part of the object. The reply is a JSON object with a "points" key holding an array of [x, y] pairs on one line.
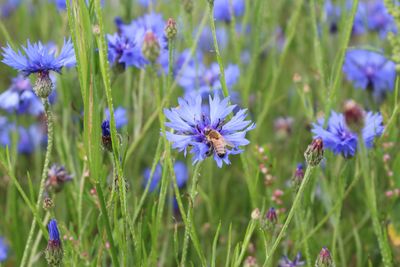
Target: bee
{"points": [[216, 142]]}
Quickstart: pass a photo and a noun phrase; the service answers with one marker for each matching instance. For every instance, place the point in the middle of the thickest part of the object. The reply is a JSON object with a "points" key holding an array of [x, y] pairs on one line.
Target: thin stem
{"points": [[50, 130], [293, 209], [189, 216], [218, 55]]}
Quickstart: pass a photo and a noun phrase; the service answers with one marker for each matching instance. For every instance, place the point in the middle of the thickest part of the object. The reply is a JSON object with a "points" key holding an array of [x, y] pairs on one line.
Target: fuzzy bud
{"points": [[188, 6], [43, 85], [48, 203], [314, 152], [54, 252], [151, 47], [354, 116], [170, 29], [324, 259]]}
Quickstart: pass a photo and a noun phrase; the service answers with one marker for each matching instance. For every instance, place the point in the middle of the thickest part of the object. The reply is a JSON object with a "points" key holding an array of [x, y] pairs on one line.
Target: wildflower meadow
{"points": [[200, 133]]}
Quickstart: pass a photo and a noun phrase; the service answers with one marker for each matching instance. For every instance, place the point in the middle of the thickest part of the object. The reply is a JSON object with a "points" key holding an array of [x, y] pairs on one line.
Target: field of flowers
{"points": [[199, 133]]}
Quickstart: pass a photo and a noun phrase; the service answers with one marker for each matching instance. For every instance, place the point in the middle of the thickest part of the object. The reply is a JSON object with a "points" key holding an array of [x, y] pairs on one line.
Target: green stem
{"points": [[50, 130], [189, 216], [293, 209], [369, 184], [218, 55]]}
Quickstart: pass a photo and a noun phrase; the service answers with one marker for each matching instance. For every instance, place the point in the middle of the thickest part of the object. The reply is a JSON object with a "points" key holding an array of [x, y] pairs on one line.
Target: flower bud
{"points": [[48, 203], [54, 252], [43, 85], [187, 5], [354, 116], [324, 259], [298, 177], [170, 29], [270, 220], [314, 152], [56, 178], [255, 214], [106, 135], [151, 47]]}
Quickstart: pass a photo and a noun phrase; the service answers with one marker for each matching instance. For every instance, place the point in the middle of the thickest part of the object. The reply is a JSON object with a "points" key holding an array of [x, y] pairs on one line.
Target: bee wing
{"points": [[227, 143]]}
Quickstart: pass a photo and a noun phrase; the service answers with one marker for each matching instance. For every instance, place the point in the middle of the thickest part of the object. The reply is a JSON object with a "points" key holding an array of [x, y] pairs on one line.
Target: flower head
{"points": [[106, 135], [338, 138], [39, 58], [30, 138], [181, 173], [124, 50], [3, 250], [223, 8], [379, 19], [54, 252], [370, 70], [56, 177], [8, 7], [285, 262], [20, 98], [207, 132], [324, 259]]}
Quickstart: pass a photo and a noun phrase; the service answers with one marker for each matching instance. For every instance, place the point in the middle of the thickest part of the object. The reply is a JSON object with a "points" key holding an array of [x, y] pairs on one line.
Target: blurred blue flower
{"points": [[223, 8], [338, 138], [8, 7], [30, 139], [370, 70], [62, 4], [39, 58], [285, 262], [124, 50], [181, 173], [379, 19], [192, 126], [121, 118], [126, 45], [3, 250], [206, 41], [5, 128], [334, 12], [21, 98]]}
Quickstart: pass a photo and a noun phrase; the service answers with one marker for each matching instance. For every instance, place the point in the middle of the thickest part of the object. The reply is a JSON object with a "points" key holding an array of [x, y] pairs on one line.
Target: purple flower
{"points": [[180, 170], [126, 46], [8, 7], [3, 250], [39, 58], [370, 70], [285, 262], [105, 128], [334, 12], [5, 128], [30, 139], [121, 119], [338, 138], [193, 127], [206, 41], [54, 252], [223, 8], [379, 19], [56, 178], [54, 235], [21, 98]]}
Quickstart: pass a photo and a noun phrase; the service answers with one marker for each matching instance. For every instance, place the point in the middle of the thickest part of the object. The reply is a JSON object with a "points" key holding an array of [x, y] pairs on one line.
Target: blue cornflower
{"points": [[338, 138], [285, 262], [222, 9], [121, 118], [54, 252], [3, 250], [181, 173], [105, 128], [127, 49], [370, 70], [379, 19], [62, 4], [39, 58], [5, 128], [21, 98], [196, 128], [57, 176]]}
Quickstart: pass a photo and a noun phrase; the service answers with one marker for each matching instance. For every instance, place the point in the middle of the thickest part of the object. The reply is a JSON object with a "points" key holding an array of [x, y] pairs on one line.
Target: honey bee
{"points": [[216, 142]]}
